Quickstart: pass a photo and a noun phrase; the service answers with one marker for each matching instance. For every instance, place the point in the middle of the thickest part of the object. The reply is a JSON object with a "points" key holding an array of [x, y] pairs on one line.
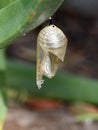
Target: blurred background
{"points": [[69, 100]]}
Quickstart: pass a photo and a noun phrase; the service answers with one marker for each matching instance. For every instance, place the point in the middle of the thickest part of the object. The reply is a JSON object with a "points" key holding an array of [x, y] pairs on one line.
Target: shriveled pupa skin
{"points": [[51, 48]]}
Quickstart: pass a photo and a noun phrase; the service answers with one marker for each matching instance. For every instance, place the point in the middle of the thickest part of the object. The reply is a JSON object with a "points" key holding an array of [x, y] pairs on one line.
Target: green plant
{"points": [[3, 108]]}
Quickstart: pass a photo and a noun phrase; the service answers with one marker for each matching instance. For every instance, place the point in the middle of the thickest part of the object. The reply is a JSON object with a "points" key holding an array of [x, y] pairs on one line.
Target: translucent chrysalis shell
{"points": [[51, 48]]}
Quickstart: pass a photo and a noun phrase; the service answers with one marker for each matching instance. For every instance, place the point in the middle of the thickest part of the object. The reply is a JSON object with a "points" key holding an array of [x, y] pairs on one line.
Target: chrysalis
{"points": [[51, 48]]}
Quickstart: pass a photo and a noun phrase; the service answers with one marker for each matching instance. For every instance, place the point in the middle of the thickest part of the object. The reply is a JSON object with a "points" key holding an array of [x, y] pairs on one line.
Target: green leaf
{"points": [[2, 60], [20, 16], [3, 111], [86, 117], [3, 108], [21, 77]]}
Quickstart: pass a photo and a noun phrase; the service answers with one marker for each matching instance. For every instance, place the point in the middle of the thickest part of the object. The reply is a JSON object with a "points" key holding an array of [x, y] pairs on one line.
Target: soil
{"points": [[22, 118]]}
